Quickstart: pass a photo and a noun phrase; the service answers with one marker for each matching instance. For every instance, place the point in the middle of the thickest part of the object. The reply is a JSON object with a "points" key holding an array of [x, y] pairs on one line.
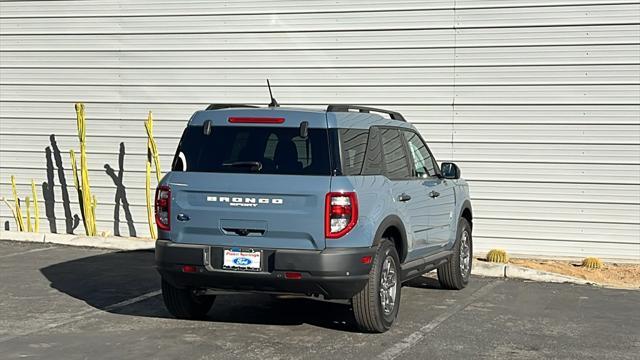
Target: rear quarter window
{"points": [[353, 144], [361, 151]]}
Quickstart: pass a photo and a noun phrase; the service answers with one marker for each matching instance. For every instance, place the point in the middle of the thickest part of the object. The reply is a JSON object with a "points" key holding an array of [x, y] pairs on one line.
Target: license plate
{"points": [[247, 260]]}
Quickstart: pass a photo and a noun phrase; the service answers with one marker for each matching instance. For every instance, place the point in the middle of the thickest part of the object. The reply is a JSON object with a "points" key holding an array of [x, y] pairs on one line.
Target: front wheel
{"points": [[184, 303], [455, 273], [375, 307]]}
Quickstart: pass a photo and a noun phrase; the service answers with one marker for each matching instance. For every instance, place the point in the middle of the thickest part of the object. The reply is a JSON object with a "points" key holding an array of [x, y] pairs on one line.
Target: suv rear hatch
{"points": [[254, 181]]}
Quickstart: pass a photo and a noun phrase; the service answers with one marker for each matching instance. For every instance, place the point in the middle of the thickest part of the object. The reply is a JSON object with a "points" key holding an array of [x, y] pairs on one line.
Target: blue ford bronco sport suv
{"points": [[344, 203]]}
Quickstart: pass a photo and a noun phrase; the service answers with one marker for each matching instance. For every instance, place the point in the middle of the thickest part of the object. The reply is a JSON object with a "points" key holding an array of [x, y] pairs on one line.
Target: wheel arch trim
{"points": [[466, 205], [393, 221]]}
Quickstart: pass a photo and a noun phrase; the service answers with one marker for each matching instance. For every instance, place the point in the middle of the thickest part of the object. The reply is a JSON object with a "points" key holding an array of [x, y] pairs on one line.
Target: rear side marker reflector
{"points": [[366, 259], [256, 120], [293, 275], [189, 268]]}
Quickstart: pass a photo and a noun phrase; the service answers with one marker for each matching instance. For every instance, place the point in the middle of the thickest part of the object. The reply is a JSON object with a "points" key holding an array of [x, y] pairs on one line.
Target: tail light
{"points": [[163, 207], [341, 214]]}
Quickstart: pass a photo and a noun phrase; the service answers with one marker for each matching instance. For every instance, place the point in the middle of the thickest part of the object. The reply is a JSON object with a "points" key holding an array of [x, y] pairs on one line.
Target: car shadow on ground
{"points": [[106, 279], [424, 282]]}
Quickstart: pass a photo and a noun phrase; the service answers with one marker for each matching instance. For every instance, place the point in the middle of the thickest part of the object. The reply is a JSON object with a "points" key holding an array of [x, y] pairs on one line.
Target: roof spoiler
{"points": [[228, 106]]}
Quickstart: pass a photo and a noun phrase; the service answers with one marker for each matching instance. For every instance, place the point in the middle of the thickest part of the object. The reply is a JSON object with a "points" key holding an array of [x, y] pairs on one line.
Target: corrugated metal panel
{"points": [[349, 58], [251, 94], [93, 8], [223, 41], [97, 8], [397, 39], [538, 100], [546, 16], [496, 75]]}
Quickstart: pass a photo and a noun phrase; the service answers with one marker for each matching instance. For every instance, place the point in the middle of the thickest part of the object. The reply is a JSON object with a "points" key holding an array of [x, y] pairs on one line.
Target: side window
{"points": [[423, 164], [395, 158], [353, 143]]}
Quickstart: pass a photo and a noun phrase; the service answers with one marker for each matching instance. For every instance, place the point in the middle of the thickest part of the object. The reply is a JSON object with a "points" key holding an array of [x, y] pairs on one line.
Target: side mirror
{"points": [[450, 170]]}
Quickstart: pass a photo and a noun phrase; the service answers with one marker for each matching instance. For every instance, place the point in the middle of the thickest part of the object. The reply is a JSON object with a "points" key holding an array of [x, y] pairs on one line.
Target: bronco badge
{"points": [[245, 201]]}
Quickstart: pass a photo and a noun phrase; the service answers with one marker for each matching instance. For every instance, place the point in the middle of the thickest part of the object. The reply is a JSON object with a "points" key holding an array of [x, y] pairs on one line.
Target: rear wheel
{"points": [[375, 307], [184, 303], [455, 273]]}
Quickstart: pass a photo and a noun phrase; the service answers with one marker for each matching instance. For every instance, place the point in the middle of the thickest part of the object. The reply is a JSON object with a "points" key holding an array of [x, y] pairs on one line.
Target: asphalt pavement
{"points": [[61, 302]]}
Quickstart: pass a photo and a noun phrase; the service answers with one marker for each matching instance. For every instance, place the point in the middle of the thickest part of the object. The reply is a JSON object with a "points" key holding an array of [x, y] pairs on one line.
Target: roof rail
{"points": [[365, 109], [227, 106]]}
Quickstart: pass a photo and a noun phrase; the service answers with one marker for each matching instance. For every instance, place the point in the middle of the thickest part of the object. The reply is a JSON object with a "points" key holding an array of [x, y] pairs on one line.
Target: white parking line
{"points": [[134, 300], [85, 313], [27, 252], [411, 340]]}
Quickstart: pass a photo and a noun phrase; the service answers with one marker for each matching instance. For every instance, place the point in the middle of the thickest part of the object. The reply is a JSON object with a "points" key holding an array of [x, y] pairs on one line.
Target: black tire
{"points": [[451, 275], [184, 304], [367, 307]]}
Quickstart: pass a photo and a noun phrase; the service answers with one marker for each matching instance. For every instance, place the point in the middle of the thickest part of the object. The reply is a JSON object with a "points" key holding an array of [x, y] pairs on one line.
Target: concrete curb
{"points": [[519, 272], [103, 242]]}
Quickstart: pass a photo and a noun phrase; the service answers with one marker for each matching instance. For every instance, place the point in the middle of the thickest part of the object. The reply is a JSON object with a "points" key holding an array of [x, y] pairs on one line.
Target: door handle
{"points": [[434, 194], [404, 197]]}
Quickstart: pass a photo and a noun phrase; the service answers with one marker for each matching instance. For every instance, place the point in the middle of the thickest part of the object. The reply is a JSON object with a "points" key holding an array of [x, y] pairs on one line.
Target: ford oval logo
{"points": [[242, 261]]}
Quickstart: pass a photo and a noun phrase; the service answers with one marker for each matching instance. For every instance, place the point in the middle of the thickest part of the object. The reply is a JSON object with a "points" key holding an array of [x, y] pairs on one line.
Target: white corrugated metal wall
{"points": [[538, 101]]}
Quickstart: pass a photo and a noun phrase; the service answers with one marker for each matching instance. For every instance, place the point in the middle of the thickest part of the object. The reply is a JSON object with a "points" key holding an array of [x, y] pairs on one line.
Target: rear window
{"points": [[247, 149]]}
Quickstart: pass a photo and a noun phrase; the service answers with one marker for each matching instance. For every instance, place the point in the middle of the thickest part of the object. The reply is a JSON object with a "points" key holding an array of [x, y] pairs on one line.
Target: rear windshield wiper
{"points": [[252, 165]]}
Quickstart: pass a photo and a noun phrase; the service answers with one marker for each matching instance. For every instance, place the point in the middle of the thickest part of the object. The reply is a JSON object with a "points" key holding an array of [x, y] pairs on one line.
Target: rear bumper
{"points": [[334, 273]]}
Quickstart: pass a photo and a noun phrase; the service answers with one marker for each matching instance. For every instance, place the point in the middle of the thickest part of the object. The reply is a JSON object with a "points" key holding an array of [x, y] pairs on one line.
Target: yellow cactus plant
{"points": [[36, 211], [27, 201], [497, 256], [18, 211], [13, 212], [82, 183], [592, 263], [152, 154]]}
